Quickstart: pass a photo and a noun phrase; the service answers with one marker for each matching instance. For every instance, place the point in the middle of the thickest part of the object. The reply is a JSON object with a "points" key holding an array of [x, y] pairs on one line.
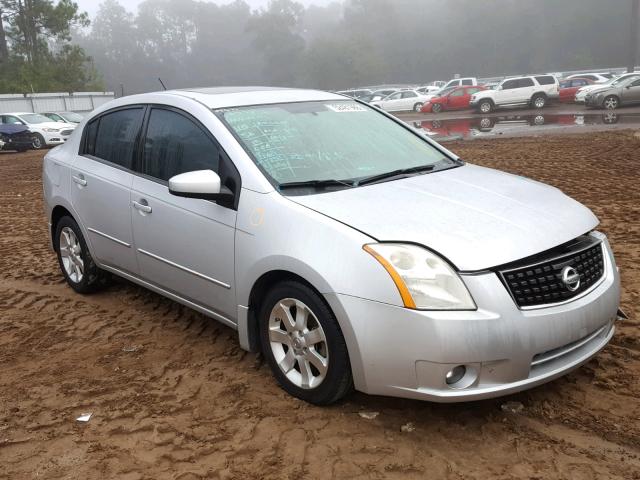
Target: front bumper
{"points": [[55, 138], [407, 353]]}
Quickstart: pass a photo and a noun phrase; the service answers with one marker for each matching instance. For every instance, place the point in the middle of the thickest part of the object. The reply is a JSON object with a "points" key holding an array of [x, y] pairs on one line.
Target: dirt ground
{"points": [[173, 395]]}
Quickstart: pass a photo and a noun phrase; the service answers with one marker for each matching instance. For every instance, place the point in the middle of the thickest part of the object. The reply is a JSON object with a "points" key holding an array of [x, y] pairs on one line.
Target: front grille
{"points": [[541, 283], [66, 133]]}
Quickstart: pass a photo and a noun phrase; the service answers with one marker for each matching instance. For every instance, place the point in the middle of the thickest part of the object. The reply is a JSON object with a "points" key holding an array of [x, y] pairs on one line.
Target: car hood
{"points": [[597, 91], [474, 216], [60, 125]]}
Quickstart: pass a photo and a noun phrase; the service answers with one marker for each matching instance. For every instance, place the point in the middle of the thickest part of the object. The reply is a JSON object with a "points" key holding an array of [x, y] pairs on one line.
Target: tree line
{"points": [[47, 45]]}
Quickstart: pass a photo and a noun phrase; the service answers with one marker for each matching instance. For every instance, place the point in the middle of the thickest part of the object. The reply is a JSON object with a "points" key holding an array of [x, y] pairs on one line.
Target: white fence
{"points": [[53, 102]]}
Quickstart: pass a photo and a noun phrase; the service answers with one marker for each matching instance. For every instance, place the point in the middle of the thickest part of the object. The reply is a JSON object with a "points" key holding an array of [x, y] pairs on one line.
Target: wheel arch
{"points": [[248, 325], [259, 290]]}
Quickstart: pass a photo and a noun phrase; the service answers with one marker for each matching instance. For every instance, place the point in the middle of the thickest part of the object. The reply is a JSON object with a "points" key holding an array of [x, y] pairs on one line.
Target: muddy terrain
{"points": [[173, 396]]}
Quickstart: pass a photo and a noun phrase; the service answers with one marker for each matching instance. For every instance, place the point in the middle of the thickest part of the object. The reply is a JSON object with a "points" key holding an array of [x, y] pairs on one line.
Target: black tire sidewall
{"points": [[418, 107], [338, 380], [436, 108], [91, 275]]}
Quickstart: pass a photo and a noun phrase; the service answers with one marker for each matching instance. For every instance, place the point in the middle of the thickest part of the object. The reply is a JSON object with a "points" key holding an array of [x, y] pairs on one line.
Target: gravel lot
{"points": [[173, 396]]}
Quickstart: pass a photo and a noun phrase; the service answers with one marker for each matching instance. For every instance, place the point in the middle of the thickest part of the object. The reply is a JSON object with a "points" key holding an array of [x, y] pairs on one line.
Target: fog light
{"points": [[454, 375]]}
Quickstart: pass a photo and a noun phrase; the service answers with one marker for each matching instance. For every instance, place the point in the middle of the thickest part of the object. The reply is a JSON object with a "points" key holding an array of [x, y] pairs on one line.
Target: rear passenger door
{"points": [[526, 89], [184, 245], [101, 185]]}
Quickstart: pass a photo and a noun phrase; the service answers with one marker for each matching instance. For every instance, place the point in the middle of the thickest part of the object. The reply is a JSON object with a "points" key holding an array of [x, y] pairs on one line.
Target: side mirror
{"points": [[203, 184]]}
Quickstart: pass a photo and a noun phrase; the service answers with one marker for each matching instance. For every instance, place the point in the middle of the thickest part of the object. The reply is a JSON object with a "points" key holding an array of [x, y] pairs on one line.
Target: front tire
{"points": [[611, 102], [485, 106], [436, 108], [38, 142], [76, 263], [303, 344]]}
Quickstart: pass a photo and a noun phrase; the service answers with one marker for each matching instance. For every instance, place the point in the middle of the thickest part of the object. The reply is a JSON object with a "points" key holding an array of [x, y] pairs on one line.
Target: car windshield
{"points": [[34, 118], [328, 140], [72, 117]]}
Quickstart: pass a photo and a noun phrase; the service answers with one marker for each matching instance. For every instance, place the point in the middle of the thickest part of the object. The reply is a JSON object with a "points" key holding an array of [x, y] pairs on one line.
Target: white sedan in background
{"points": [[402, 101], [45, 131]]}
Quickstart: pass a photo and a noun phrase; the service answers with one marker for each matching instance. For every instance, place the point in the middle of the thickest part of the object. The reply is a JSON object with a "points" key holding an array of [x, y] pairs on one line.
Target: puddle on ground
{"points": [[478, 126]]}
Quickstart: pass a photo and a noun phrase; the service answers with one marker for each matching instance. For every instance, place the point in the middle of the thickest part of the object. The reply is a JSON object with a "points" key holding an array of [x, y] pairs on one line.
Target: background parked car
{"points": [[611, 97], [64, 117], [45, 131], [15, 137], [594, 77], [427, 89], [456, 99], [582, 93], [402, 101], [534, 91], [570, 86], [355, 93], [459, 82]]}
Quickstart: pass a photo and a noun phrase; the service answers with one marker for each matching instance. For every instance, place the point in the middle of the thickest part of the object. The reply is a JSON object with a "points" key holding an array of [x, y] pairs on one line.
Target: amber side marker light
{"points": [[407, 299]]}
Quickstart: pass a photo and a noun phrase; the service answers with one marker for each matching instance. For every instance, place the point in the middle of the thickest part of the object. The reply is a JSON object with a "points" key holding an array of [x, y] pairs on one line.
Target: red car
{"points": [[455, 99], [569, 87]]}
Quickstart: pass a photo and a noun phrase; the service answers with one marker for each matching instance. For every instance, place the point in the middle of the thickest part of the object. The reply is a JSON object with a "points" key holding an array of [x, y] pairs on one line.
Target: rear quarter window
{"points": [[546, 80]]}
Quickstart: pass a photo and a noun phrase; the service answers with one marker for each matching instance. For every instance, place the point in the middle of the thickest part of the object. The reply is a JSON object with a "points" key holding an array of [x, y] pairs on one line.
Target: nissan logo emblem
{"points": [[571, 278]]}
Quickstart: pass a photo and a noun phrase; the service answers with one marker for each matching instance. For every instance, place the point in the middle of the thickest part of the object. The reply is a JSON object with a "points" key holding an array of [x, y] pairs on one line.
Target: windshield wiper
{"points": [[317, 184], [395, 173]]}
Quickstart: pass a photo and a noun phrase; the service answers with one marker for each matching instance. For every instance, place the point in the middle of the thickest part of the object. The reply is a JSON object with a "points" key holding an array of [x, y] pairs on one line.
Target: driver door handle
{"points": [[142, 207]]}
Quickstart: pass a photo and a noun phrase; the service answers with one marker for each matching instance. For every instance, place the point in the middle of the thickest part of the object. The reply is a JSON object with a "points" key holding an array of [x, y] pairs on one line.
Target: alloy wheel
{"points": [[298, 343], [485, 107], [71, 255], [611, 103], [539, 102]]}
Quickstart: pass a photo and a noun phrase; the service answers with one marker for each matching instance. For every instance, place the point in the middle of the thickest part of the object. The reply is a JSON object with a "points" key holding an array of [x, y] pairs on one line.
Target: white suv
{"points": [[534, 91]]}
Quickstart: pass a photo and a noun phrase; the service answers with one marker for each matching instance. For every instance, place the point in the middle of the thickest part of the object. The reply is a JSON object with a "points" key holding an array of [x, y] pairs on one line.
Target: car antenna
{"points": [[162, 83]]}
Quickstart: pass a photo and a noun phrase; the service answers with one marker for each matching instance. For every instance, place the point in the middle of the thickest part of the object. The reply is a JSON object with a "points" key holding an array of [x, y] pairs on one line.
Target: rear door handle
{"points": [[79, 179], [142, 207]]}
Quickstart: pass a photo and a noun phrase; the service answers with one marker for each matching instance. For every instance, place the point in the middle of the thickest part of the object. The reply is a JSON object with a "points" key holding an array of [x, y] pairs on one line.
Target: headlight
{"points": [[425, 281], [51, 130]]}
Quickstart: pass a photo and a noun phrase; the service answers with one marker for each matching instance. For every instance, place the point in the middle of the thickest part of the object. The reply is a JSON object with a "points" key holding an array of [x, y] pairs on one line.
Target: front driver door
{"points": [[631, 93], [184, 245], [456, 99]]}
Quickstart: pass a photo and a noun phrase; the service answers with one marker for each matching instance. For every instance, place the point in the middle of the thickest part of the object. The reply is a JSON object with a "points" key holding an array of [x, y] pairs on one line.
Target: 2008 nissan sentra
{"points": [[348, 248]]}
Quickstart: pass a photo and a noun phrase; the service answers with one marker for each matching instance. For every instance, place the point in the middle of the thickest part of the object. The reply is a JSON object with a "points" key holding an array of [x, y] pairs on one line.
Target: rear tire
{"points": [[303, 344], [38, 142], [611, 102], [76, 263], [417, 107], [538, 101]]}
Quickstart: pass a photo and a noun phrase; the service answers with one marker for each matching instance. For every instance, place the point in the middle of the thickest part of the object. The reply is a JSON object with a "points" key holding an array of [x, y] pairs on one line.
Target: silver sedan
{"points": [[348, 248]]}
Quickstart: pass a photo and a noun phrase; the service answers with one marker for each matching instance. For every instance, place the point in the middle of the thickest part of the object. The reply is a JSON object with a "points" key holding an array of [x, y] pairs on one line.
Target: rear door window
{"points": [[112, 137], [525, 82]]}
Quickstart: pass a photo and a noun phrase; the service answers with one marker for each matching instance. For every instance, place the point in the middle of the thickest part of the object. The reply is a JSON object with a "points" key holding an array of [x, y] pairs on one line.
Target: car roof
{"points": [[222, 97]]}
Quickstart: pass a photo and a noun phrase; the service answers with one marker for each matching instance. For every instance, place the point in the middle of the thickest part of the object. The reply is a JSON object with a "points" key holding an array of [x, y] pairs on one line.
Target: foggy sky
{"points": [[91, 6]]}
